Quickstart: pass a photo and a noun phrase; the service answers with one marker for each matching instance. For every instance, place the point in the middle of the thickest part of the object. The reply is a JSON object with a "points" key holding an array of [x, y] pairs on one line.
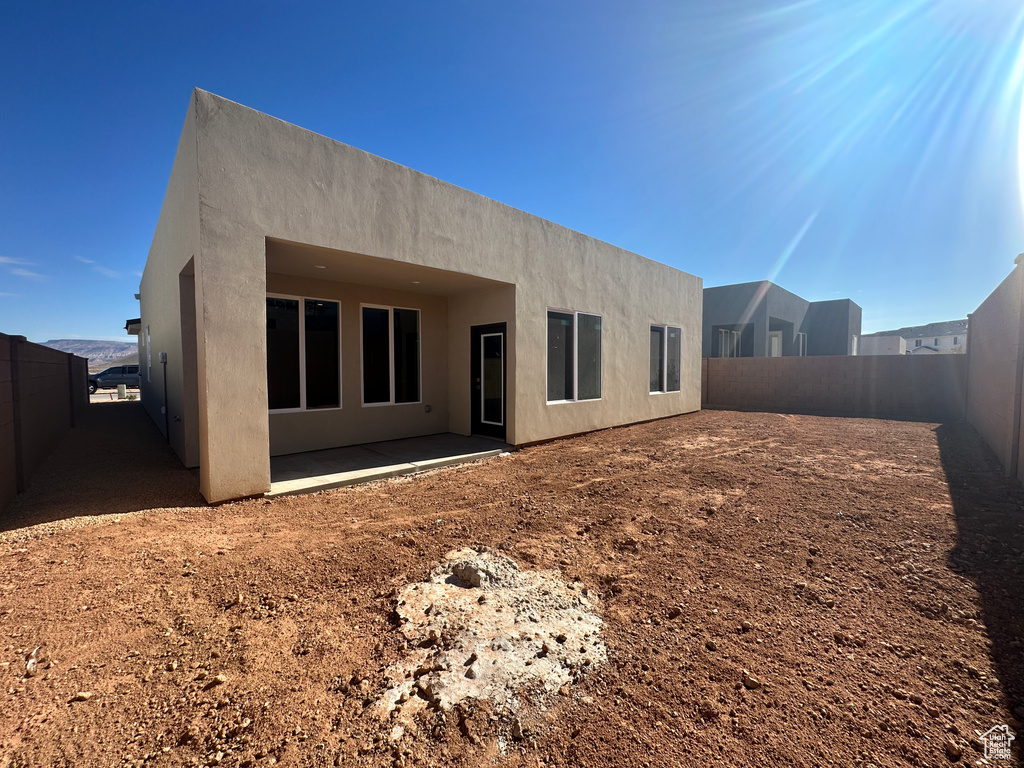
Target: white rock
{"points": [[529, 630]]}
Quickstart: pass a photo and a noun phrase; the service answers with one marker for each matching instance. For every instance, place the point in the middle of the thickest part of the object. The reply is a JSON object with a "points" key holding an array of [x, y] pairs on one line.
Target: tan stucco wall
{"points": [[262, 178], [188, 420], [630, 294], [497, 305], [354, 423], [175, 242]]}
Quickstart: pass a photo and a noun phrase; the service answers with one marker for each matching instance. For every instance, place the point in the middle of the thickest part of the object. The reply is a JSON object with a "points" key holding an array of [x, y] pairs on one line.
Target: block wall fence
{"points": [[929, 388], [984, 387], [995, 346], [42, 393]]}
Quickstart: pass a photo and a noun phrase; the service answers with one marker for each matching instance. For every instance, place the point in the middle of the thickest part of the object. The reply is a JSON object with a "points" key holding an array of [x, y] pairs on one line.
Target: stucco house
{"points": [[876, 344], [944, 338], [762, 319], [301, 294]]}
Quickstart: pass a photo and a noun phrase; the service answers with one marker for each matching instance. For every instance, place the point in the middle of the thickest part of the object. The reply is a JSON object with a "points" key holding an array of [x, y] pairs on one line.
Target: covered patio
{"points": [[338, 467], [403, 344]]}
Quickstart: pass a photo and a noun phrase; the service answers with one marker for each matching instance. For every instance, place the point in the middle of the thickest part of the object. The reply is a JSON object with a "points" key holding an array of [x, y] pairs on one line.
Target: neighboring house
{"points": [[308, 295], [760, 319], [881, 345], [945, 338]]}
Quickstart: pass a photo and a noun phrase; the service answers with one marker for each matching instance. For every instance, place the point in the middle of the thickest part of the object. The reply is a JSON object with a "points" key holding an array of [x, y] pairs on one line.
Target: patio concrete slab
{"points": [[339, 467]]}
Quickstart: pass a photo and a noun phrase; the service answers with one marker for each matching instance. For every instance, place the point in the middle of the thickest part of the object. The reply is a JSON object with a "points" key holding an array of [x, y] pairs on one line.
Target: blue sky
{"points": [[843, 148]]}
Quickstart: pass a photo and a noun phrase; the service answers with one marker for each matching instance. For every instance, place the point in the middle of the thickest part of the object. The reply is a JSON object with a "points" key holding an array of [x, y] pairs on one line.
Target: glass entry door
{"points": [[488, 389]]}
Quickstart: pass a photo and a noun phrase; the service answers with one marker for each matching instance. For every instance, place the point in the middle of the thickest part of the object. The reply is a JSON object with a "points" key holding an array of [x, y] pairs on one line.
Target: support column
{"points": [[234, 432]]}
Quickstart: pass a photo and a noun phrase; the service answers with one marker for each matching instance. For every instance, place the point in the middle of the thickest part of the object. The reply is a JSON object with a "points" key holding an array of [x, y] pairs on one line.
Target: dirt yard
{"points": [[774, 590]]}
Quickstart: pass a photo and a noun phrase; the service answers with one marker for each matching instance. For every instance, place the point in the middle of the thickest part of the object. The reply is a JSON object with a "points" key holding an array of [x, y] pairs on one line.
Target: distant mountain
{"points": [[132, 359], [99, 353]]}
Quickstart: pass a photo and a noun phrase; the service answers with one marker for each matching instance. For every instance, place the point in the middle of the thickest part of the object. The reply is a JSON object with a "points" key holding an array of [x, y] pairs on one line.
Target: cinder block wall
{"points": [[985, 386], [8, 461], [994, 351], [42, 392], [899, 387]]}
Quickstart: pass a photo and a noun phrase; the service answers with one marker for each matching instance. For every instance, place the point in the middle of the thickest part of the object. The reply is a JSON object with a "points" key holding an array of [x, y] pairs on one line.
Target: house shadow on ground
{"points": [[989, 510], [114, 461]]}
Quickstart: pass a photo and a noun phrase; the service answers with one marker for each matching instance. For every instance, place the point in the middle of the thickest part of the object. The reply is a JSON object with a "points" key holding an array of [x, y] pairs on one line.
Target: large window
{"points": [[729, 342], [666, 358], [588, 357], [322, 349], [391, 355], [303, 353], [574, 356]]}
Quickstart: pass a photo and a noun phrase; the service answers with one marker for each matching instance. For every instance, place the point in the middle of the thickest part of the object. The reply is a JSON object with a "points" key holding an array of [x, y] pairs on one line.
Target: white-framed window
{"points": [[390, 355], [574, 356], [956, 341], [666, 358], [917, 342], [729, 342], [801, 344], [149, 358], [303, 353], [938, 342]]}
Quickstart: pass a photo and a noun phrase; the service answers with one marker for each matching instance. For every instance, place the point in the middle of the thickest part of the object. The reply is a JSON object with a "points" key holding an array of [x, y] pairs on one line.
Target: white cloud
{"points": [[12, 260], [9, 294], [113, 274], [26, 273]]}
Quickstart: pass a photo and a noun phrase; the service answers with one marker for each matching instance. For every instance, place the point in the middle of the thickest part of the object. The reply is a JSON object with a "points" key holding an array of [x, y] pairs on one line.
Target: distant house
{"points": [[874, 344], [945, 338], [760, 319]]}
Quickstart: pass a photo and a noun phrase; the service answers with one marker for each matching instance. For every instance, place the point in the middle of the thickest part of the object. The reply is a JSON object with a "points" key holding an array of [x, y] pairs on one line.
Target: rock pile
{"points": [[481, 628]]}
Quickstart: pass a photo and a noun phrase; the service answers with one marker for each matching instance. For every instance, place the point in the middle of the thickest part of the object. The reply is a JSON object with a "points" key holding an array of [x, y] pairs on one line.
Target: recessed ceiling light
{"points": [[320, 266], [415, 282]]}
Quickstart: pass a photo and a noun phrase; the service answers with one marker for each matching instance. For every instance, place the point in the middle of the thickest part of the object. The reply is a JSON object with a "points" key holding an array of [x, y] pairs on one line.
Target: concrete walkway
{"points": [[338, 467]]}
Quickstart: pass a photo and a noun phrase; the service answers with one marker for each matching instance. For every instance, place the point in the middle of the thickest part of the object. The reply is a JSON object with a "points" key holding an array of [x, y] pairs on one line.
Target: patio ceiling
{"points": [[318, 263]]}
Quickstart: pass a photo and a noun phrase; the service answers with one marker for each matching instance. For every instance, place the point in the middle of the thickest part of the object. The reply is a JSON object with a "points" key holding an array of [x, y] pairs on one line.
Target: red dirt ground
{"points": [[867, 573]]}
